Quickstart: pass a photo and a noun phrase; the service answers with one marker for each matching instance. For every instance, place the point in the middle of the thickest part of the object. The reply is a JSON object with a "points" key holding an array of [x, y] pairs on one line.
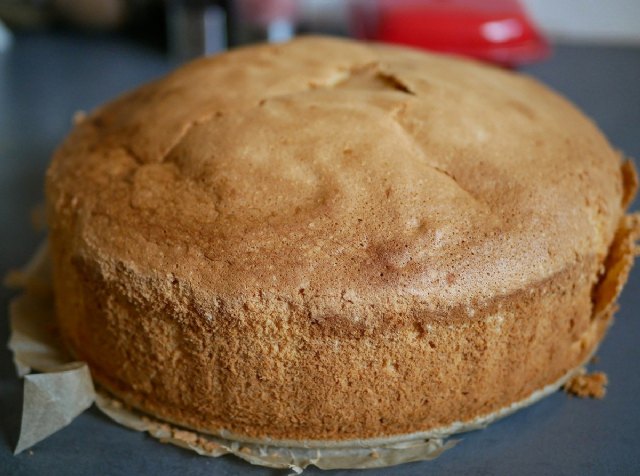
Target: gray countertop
{"points": [[44, 79]]}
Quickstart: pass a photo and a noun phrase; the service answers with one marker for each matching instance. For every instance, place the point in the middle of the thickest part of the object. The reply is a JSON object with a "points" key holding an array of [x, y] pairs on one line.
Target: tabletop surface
{"points": [[45, 78]]}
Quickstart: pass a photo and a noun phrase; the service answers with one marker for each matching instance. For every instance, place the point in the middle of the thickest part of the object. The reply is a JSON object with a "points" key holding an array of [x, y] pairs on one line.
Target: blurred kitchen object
{"points": [[493, 30], [196, 27], [497, 31], [29, 14], [265, 20], [93, 14], [330, 17], [5, 37], [86, 14]]}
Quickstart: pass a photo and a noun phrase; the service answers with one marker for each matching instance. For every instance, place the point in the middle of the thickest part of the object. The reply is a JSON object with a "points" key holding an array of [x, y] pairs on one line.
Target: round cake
{"points": [[327, 241]]}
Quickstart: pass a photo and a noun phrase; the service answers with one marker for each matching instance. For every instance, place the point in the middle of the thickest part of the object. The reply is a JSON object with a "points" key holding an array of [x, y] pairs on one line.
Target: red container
{"points": [[498, 31]]}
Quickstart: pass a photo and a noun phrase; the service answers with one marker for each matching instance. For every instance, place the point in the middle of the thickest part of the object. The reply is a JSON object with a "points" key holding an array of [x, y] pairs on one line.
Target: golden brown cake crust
{"points": [[328, 240]]}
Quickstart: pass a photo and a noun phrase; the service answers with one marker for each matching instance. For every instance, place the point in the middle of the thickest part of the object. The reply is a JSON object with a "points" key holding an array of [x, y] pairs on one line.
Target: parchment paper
{"points": [[52, 401], [64, 389]]}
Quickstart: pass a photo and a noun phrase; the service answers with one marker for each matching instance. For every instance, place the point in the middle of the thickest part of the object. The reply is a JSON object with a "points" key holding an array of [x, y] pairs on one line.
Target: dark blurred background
{"points": [[188, 28]]}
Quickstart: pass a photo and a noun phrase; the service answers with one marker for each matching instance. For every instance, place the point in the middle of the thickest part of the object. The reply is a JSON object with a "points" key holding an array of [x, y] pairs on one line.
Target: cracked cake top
{"points": [[354, 176]]}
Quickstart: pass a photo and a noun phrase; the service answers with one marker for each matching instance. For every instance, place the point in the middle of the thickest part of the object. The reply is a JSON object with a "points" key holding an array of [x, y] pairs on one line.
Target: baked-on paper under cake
{"points": [[330, 241]]}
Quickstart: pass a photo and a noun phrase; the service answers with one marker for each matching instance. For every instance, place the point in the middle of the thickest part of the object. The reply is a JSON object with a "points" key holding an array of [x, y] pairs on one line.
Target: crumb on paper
{"points": [[186, 436], [208, 445], [592, 385]]}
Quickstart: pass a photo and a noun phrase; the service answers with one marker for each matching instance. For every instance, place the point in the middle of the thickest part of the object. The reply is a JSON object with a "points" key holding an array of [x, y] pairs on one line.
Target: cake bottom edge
{"points": [[325, 454]]}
